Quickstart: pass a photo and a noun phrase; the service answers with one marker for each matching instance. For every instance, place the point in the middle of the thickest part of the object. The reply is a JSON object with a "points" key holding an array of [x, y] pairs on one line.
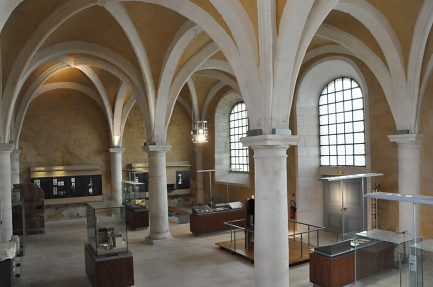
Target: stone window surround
{"points": [[222, 143], [308, 187]]}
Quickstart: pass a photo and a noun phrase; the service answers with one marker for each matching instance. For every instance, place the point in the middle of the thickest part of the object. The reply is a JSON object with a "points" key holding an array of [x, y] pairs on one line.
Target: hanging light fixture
{"points": [[199, 132]]}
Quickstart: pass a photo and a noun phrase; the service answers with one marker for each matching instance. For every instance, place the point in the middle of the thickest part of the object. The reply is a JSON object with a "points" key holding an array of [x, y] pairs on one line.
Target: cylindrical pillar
{"points": [[116, 174], [409, 175], [158, 203], [5, 192], [15, 166], [199, 175], [271, 245]]}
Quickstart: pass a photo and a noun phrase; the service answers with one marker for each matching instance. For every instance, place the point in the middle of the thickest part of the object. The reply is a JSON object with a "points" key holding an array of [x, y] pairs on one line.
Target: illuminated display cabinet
{"points": [[106, 228], [134, 194]]}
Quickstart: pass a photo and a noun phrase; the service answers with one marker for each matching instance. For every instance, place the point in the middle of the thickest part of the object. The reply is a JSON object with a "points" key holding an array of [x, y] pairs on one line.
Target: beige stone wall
{"points": [[65, 127]]}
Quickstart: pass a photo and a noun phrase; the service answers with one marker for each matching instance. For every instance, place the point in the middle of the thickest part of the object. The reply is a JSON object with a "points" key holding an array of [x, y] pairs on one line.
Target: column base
{"points": [[160, 238]]}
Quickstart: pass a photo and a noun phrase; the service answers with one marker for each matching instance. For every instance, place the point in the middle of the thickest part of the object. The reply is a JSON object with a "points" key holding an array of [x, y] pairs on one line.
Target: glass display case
{"points": [[134, 194], [106, 228], [381, 257], [421, 264]]}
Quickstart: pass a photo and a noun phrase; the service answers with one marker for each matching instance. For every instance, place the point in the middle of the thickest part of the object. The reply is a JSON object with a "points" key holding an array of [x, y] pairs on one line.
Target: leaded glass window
{"points": [[341, 124], [238, 126]]}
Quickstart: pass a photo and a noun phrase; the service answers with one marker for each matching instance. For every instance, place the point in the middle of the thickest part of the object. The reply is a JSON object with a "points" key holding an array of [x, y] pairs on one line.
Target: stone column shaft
{"points": [[409, 175], [271, 245], [15, 166], [158, 202], [5, 192], [116, 174]]}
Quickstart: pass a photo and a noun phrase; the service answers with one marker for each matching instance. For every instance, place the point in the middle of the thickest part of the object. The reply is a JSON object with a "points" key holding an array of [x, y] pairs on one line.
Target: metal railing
{"points": [[240, 225]]}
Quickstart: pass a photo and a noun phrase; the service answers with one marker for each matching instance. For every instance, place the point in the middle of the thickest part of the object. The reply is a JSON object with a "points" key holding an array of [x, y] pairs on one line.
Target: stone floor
{"points": [[56, 259]]}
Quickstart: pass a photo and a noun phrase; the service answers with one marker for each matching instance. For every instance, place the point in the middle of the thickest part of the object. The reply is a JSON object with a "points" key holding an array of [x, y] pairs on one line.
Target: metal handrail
{"points": [[234, 227]]}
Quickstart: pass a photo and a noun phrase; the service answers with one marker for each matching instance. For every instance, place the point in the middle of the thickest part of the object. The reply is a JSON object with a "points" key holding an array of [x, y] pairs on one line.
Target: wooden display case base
{"points": [[137, 217], [109, 271], [213, 222]]}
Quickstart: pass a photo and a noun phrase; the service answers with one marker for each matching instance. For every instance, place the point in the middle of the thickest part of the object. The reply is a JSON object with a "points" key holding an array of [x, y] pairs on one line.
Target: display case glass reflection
{"points": [[134, 194], [382, 257], [106, 228]]}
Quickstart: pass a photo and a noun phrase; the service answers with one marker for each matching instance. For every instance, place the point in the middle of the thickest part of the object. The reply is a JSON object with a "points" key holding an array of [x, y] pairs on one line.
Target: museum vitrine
{"points": [[106, 228], [134, 194]]}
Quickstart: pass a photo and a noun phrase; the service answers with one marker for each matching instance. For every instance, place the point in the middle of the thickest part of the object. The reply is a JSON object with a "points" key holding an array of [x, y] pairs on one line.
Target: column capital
{"points": [[406, 139], [270, 140], [117, 149], [6, 148], [16, 152], [157, 148]]}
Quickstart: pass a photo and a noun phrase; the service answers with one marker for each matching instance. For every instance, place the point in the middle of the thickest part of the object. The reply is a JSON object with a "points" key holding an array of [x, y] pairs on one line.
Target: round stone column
{"points": [[271, 245], [409, 175], [158, 202], [5, 192], [199, 175], [15, 166], [116, 173]]}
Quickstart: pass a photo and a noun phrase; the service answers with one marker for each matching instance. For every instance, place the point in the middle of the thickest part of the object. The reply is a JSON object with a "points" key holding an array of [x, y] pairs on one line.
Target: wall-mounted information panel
{"points": [[59, 182]]}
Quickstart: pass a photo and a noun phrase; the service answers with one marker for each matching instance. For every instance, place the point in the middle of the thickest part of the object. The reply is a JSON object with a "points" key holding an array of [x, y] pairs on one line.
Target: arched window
{"points": [[238, 127], [341, 124]]}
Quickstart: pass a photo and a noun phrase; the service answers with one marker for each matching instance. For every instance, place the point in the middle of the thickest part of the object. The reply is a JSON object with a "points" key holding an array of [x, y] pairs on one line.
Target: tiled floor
{"points": [[56, 258]]}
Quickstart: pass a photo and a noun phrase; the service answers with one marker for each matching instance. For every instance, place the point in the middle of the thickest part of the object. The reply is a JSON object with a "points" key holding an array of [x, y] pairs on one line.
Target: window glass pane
{"points": [[338, 84], [331, 88], [331, 98], [323, 100], [339, 107], [340, 139], [332, 129], [324, 160], [331, 108], [346, 83], [323, 110], [349, 149], [333, 150], [356, 93], [359, 137], [324, 140], [359, 149], [339, 96], [324, 150], [348, 117], [331, 119], [349, 138], [340, 118], [323, 130], [348, 127], [349, 160], [359, 160], [358, 126], [323, 120], [333, 160], [341, 160], [358, 115], [358, 104], [347, 95], [340, 150], [347, 105], [332, 139], [340, 128]]}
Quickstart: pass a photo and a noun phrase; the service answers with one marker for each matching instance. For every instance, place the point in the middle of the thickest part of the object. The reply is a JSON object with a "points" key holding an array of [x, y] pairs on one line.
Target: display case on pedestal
{"points": [[107, 259]]}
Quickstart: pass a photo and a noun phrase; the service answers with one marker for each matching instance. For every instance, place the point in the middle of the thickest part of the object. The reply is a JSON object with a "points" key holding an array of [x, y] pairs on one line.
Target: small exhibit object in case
{"points": [[106, 228]]}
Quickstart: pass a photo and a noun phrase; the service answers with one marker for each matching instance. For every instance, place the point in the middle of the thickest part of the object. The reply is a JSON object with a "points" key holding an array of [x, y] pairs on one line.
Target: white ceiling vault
{"points": [[156, 48]]}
